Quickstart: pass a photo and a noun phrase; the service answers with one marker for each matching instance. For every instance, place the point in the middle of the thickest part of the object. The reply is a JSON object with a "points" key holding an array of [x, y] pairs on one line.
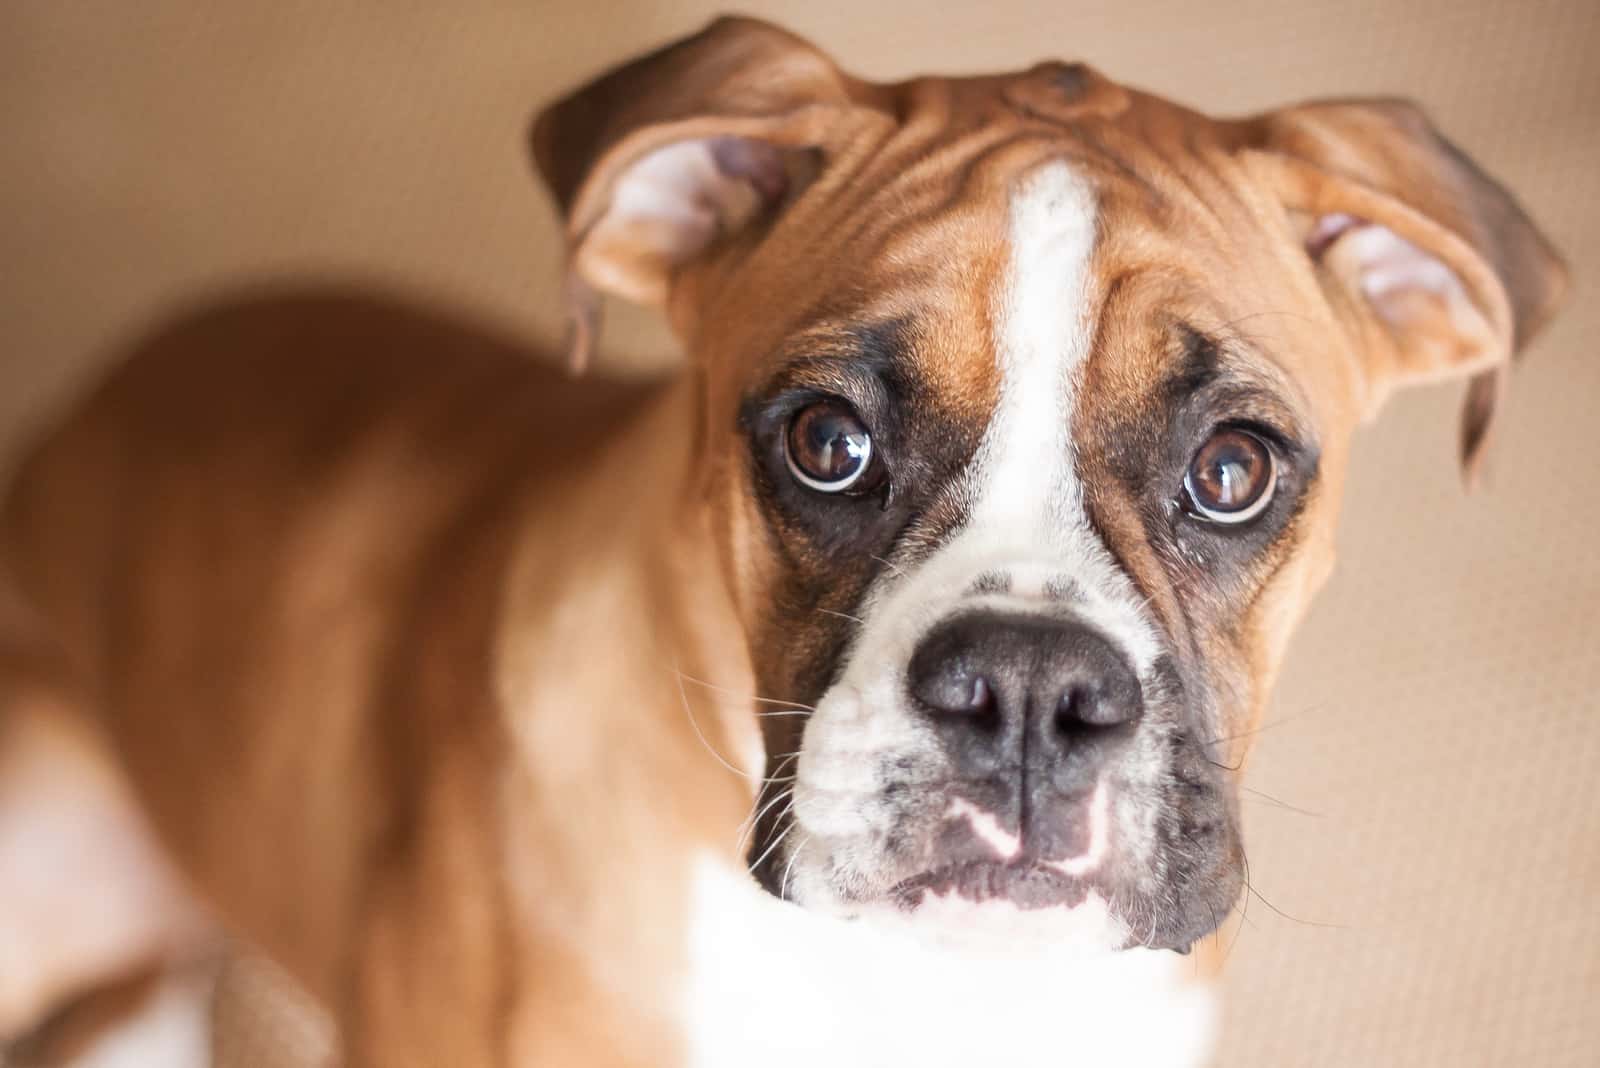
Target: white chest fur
{"points": [[774, 985]]}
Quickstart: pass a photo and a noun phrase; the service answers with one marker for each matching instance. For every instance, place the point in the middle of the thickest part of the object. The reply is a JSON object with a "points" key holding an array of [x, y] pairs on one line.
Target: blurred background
{"points": [[1423, 821]]}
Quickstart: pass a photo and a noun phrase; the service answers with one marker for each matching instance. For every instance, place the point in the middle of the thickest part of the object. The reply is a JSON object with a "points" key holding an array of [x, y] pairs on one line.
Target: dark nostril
{"points": [[1077, 711], [946, 679], [955, 692], [981, 698], [1089, 706]]}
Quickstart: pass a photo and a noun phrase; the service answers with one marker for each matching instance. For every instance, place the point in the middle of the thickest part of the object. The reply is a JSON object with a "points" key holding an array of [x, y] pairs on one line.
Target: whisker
{"points": [[788, 869], [765, 853], [892, 566], [755, 820], [1287, 916], [1260, 728], [841, 615], [775, 778], [1244, 921], [698, 733], [1215, 929], [1228, 327], [1277, 803], [744, 696], [1244, 916]]}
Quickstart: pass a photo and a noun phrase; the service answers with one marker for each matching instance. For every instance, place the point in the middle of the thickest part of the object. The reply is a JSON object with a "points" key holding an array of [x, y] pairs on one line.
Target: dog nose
{"points": [[1004, 688]]}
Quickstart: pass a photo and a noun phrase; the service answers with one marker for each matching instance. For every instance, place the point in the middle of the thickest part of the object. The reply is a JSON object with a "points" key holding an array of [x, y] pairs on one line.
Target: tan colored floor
{"points": [[1441, 716]]}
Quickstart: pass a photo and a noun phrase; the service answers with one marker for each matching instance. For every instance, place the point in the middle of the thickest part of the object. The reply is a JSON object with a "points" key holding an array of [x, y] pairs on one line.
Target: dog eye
{"points": [[828, 447], [1231, 478]]}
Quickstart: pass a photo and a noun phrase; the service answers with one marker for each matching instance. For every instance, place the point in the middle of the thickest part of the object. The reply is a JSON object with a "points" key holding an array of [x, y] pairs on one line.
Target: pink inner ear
{"points": [[667, 206], [756, 162], [1329, 228], [1424, 306], [1389, 265]]}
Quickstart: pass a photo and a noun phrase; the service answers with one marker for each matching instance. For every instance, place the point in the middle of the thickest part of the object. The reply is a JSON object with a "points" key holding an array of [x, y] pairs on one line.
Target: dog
{"points": [[874, 692]]}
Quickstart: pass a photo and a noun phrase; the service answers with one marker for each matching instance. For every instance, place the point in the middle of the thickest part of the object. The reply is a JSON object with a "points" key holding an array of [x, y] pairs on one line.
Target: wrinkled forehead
{"points": [[1142, 230]]}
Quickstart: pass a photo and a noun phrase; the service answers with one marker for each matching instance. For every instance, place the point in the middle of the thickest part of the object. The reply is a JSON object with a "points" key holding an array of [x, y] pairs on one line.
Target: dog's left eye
{"points": [[1232, 478], [828, 447]]}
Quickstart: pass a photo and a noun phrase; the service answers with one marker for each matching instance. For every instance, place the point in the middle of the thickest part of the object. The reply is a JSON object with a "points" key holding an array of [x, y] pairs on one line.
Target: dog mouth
{"points": [[1139, 855], [1026, 885], [1009, 870], [1018, 907], [988, 883]]}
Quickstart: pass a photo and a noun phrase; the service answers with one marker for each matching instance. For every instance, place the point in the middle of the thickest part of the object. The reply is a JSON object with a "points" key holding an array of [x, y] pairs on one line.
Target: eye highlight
{"points": [[827, 447], [1231, 478]]}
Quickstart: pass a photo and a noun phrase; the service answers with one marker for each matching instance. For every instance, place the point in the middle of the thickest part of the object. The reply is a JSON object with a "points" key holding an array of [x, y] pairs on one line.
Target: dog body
{"points": [[943, 594], [583, 901]]}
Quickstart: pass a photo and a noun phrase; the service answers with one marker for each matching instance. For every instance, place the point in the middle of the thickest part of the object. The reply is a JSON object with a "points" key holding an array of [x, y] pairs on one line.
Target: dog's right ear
{"points": [[656, 160]]}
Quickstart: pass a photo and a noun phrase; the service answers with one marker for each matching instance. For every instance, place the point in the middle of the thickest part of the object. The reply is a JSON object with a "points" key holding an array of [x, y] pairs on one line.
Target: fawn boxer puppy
{"points": [[941, 591]]}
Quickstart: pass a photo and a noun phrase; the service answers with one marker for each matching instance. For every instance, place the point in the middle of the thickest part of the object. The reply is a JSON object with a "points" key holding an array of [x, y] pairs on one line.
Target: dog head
{"points": [[1026, 403]]}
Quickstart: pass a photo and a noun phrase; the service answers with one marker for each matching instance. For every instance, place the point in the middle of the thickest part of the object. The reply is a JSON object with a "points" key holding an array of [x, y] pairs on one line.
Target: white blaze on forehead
{"points": [[1023, 470], [1028, 514]]}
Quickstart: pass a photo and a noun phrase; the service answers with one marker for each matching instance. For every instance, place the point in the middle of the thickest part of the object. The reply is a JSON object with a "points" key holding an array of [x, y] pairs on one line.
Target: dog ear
{"points": [[1440, 267], [655, 161]]}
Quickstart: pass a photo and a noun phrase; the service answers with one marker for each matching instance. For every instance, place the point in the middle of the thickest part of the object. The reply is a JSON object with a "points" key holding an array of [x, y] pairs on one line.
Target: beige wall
{"points": [[1440, 716]]}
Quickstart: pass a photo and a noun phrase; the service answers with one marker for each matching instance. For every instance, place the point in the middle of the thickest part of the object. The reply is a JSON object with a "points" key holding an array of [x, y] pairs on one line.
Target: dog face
{"points": [[1023, 526], [1026, 402]]}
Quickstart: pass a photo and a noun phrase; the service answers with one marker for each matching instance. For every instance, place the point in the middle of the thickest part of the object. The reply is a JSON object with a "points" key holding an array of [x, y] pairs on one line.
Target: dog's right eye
{"points": [[828, 447]]}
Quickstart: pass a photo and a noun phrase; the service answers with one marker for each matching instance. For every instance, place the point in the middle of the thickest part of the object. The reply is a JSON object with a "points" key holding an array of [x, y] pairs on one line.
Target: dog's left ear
{"points": [[659, 159], [1440, 268]]}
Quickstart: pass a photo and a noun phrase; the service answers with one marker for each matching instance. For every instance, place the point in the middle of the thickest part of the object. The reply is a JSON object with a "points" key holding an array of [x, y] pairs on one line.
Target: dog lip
{"points": [[1027, 884]]}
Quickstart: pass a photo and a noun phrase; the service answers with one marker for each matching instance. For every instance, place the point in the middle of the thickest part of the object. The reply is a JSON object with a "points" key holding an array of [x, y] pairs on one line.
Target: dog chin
{"points": [[996, 926], [994, 899]]}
